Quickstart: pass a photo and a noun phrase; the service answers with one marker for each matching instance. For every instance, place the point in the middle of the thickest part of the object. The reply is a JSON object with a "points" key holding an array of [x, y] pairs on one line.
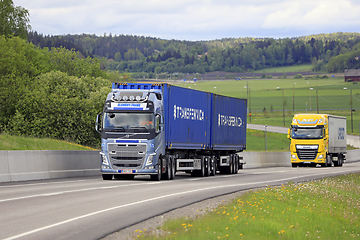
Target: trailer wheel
{"points": [[202, 171], [172, 163], [212, 166], [339, 162], [107, 176], [207, 166], [236, 164]]}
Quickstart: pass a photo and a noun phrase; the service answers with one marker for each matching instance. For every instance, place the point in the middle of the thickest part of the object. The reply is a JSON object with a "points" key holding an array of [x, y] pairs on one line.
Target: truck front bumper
{"points": [[320, 158], [130, 171]]}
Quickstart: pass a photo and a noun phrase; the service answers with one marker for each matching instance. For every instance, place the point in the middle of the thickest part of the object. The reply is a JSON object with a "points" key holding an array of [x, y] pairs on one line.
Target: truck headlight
{"points": [[321, 156], [104, 159], [293, 156], [150, 159]]}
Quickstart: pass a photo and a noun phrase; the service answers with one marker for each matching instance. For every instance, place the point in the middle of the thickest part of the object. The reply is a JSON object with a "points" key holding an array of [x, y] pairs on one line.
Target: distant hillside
{"points": [[148, 56]]}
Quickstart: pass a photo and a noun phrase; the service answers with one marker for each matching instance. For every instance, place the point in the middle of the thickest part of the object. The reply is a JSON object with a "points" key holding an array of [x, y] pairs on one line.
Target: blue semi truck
{"points": [[159, 129]]}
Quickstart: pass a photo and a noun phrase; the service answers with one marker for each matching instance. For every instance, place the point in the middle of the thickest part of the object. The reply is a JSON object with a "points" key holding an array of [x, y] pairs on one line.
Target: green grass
{"points": [[276, 142], [299, 68], [324, 209], [9, 142]]}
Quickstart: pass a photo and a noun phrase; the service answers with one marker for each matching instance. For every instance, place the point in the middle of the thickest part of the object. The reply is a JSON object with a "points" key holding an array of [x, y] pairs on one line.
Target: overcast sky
{"points": [[193, 19]]}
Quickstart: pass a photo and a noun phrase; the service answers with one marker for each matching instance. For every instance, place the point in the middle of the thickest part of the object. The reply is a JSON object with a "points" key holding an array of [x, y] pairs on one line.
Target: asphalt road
{"points": [[91, 208]]}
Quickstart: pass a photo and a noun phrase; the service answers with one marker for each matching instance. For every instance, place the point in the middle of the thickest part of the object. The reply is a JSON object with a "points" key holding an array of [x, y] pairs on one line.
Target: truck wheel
{"points": [[202, 171], [172, 164], [339, 162], [167, 174], [328, 161], [236, 164], [207, 166], [212, 166], [232, 165], [157, 177], [107, 176]]}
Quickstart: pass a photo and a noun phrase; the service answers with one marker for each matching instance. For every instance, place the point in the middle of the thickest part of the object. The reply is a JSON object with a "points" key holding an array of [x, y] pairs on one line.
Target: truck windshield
{"points": [[307, 133], [128, 122]]}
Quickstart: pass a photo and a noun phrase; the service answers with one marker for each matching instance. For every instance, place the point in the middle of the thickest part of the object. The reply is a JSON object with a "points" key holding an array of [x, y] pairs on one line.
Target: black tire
{"points": [[212, 166], [231, 167], [157, 177], [202, 171], [107, 176], [328, 161], [236, 164], [207, 166], [339, 162], [167, 174], [173, 171]]}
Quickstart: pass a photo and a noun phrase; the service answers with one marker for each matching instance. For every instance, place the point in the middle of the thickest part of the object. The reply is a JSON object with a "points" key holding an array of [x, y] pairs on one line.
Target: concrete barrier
{"points": [[36, 165], [282, 159]]}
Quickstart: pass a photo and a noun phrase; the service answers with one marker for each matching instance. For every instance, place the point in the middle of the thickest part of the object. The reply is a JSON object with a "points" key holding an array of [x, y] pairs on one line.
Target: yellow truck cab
{"points": [[317, 139]]}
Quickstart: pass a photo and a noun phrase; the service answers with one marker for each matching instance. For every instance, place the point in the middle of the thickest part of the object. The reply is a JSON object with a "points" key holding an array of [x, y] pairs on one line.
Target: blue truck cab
{"points": [[131, 128]]}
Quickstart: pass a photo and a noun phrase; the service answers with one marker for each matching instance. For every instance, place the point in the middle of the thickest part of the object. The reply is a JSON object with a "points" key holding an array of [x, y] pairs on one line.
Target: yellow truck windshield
{"points": [[307, 133]]}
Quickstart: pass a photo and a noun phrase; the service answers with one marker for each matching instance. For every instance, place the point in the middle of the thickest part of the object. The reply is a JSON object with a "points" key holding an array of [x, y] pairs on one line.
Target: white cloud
{"points": [[193, 19]]}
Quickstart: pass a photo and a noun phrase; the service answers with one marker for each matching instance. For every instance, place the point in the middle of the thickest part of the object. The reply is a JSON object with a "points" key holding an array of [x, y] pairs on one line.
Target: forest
{"points": [[148, 56]]}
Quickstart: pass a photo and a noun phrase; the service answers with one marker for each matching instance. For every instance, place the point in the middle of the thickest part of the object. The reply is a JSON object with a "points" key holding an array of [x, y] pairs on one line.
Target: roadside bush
{"points": [[62, 107]]}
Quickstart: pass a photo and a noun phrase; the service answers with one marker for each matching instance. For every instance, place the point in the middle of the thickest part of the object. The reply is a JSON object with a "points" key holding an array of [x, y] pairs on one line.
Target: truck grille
{"points": [[306, 154], [131, 156]]}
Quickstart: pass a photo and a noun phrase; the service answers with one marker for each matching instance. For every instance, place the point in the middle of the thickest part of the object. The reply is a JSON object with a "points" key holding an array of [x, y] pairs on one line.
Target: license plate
{"points": [[126, 171]]}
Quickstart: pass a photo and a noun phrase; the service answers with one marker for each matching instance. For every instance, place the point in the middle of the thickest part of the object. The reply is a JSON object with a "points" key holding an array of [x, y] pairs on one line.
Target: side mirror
{"points": [[162, 123], [159, 125], [288, 135], [98, 123]]}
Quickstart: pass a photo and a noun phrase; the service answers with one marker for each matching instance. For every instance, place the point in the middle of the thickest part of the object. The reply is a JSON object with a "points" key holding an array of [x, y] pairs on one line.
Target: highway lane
{"points": [[91, 208]]}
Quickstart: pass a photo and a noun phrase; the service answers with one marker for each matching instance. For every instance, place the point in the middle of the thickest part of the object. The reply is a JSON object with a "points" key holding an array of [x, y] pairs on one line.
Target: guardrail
{"points": [[37, 165]]}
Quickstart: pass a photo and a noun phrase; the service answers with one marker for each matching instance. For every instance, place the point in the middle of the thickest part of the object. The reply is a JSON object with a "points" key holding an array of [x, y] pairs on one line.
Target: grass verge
{"points": [[10, 142], [325, 209]]}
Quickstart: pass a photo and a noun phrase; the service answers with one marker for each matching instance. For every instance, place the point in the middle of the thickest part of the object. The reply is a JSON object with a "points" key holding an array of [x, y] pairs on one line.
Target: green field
{"points": [[266, 101], [323, 209]]}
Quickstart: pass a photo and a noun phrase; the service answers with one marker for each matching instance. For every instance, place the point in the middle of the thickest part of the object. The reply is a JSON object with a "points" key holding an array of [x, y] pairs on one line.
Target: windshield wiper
{"points": [[142, 129], [118, 129]]}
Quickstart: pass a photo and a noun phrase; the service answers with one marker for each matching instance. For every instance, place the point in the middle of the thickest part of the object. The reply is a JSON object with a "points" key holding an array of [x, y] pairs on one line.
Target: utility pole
{"points": [[283, 107], [249, 105], [317, 101], [351, 110]]}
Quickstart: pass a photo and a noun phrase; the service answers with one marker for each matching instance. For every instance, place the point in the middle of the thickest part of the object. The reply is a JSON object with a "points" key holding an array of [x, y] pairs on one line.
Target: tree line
{"points": [[151, 56]]}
